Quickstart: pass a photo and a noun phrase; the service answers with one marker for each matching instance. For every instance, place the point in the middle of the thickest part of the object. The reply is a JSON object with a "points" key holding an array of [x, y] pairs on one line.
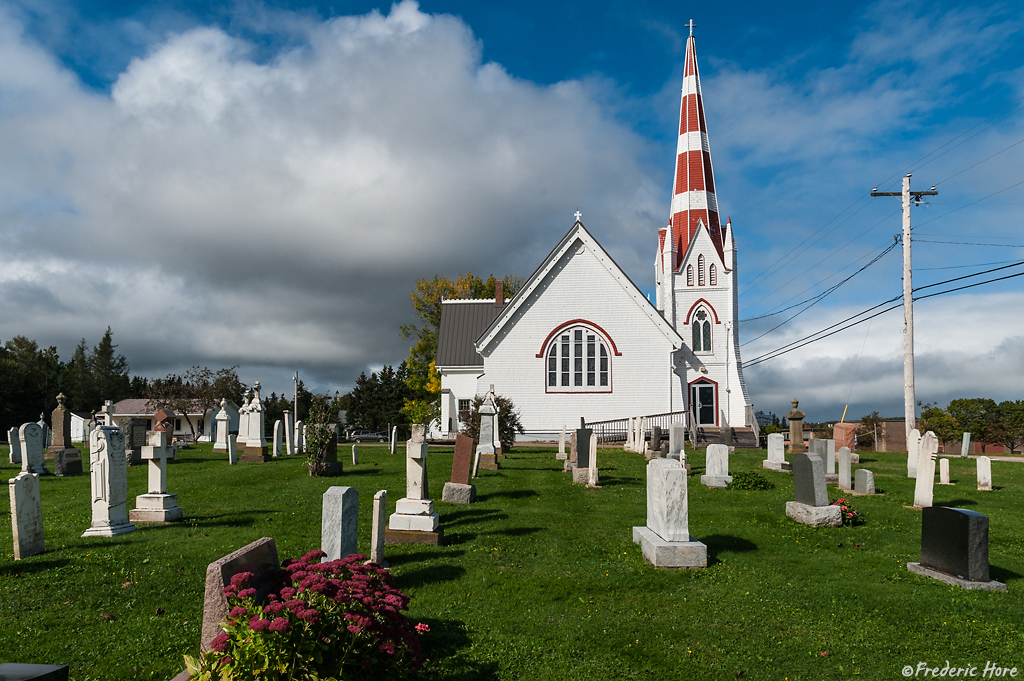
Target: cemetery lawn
{"points": [[540, 579]]}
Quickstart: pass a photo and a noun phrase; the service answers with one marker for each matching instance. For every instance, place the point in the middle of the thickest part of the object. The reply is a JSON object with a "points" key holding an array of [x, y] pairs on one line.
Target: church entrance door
{"points": [[702, 397]]}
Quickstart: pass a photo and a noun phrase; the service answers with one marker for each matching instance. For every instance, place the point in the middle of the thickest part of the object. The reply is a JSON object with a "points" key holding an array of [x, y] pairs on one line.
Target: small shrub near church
{"points": [[748, 480], [323, 621]]}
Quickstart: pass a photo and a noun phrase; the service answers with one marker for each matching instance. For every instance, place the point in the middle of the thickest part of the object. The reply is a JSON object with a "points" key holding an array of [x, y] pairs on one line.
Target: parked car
{"points": [[367, 436]]}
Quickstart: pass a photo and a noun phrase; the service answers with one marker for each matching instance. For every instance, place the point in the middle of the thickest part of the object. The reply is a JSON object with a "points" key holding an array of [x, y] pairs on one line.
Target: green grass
{"points": [[540, 579]]}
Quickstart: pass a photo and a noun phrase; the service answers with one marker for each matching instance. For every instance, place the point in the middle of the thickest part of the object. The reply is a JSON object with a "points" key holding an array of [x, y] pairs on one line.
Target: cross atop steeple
{"points": [[691, 25], [578, 215]]}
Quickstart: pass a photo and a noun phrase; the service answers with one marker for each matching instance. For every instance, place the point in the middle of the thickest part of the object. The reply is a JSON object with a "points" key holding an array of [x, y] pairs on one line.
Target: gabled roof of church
{"points": [[577, 233], [693, 188], [462, 322]]}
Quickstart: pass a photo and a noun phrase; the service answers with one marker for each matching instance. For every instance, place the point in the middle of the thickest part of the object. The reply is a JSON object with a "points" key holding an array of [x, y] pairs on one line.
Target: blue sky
{"points": [[199, 161]]}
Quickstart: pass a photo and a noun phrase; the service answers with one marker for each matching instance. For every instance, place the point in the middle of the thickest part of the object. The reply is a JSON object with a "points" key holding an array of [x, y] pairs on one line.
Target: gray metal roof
{"points": [[462, 323]]}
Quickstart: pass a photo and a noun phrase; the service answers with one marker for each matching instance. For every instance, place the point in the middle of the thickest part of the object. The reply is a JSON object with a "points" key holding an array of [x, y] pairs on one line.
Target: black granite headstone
{"points": [[33, 672], [583, 447], [809, 479], [955, 541]]}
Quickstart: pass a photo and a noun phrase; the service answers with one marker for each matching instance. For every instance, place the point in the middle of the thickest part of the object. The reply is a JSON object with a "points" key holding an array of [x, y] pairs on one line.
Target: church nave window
{"points": [[701, 332], [578, 360]]}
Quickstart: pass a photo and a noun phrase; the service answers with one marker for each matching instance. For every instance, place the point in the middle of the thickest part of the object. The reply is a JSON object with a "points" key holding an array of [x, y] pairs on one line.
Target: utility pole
{"points": [[909, 401], [296, 397]]}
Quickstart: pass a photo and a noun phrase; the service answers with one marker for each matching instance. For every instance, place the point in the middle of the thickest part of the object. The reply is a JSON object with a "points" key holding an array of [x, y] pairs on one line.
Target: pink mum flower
{"points": [[422, 628]]}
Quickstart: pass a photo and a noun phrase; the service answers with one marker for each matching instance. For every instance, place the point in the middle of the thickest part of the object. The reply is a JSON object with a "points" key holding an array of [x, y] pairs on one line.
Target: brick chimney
{"points": [[499, 292]]}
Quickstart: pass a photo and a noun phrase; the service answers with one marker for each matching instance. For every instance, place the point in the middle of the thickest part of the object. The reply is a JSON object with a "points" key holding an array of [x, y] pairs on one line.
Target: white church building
{"points": [[581, 340]]}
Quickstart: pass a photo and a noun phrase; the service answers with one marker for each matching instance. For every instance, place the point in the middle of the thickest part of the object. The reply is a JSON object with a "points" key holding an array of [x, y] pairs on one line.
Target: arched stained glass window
{"points": [[701, 331], [578, 360]]}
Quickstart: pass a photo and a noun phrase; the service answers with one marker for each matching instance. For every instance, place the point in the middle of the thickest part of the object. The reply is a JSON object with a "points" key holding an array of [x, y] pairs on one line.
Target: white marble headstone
{"points": [[289, 433], [380, 517], [667, 513], [924, 489], [26, 515], [277, 438], [984, 473], [913, 452], [717, 460], [109, 478], [232, 450], [223, 426], [944, 471], [14, 440], [845, 473], [965, 445], [33, 451], [776, 447]]}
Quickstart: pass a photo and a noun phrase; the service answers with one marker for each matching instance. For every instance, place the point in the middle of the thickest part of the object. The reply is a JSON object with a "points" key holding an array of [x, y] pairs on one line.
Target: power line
{"points": [[806, 340], [1016, 184], [967, 243], [981, 161], [960, 267]]}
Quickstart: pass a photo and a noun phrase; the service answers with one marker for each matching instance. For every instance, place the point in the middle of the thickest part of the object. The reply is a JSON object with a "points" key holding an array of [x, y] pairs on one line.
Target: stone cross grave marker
{"points": [[109, 480], [259, 558], [414, 519], [26, 515], [984, 473], [339, 531], [33, 454], [157, 506], [925, 486]]}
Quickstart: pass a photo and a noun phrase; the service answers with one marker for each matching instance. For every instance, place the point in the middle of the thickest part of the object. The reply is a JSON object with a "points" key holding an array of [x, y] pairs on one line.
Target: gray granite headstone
{"points": [[340, 522], [259, 558], [134, 430], [583, 447], [809, 479]]}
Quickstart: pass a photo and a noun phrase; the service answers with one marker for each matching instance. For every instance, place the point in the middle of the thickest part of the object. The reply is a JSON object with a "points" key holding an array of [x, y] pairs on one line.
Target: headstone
{"points": [[581, 471], [13, 439], [776, 460], [259, 558], [809, 479], [277, 438], [495, 426], [157, 506], [811, 506], [561, 445], [380, 518], [913, 452], [223, 427], [33, 454], [107, 413], [331, 464], [109, 477], [864, 481], [232, 450], [845, 435], [676, 441], [954, 548], [355, 454], [796, 428], [61, 449], [462, 460], [831, 458], [666, 540], [965, 445], [593, 460], [629, 435], [255, 439], [984, 473], [716, 466], [656, 438], [300, 437], [726, 435], [289, 433], [26, 515], [820, 447], [394, 440], [339, 523], [844, 468], [414, 520], [486, 456], [243, 420], [572, 448], [925, 486], [134, 430], [643, 434], [944, 471]]}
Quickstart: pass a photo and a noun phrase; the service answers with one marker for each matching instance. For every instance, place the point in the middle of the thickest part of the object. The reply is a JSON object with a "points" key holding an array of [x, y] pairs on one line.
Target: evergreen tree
{"points": [[109, 370]]}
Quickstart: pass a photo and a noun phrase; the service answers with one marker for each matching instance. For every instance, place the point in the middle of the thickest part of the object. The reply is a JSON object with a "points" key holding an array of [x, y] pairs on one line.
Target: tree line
{"points": [[985, 419]]}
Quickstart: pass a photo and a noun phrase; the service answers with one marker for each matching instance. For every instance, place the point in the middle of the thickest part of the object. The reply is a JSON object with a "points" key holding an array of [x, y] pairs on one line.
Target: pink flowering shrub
{"points": [[323, 621], [850, 515]]}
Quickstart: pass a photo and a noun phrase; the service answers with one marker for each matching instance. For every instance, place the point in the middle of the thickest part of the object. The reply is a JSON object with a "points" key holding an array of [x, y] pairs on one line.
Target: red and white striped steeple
{"points": [[693, 194]]}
